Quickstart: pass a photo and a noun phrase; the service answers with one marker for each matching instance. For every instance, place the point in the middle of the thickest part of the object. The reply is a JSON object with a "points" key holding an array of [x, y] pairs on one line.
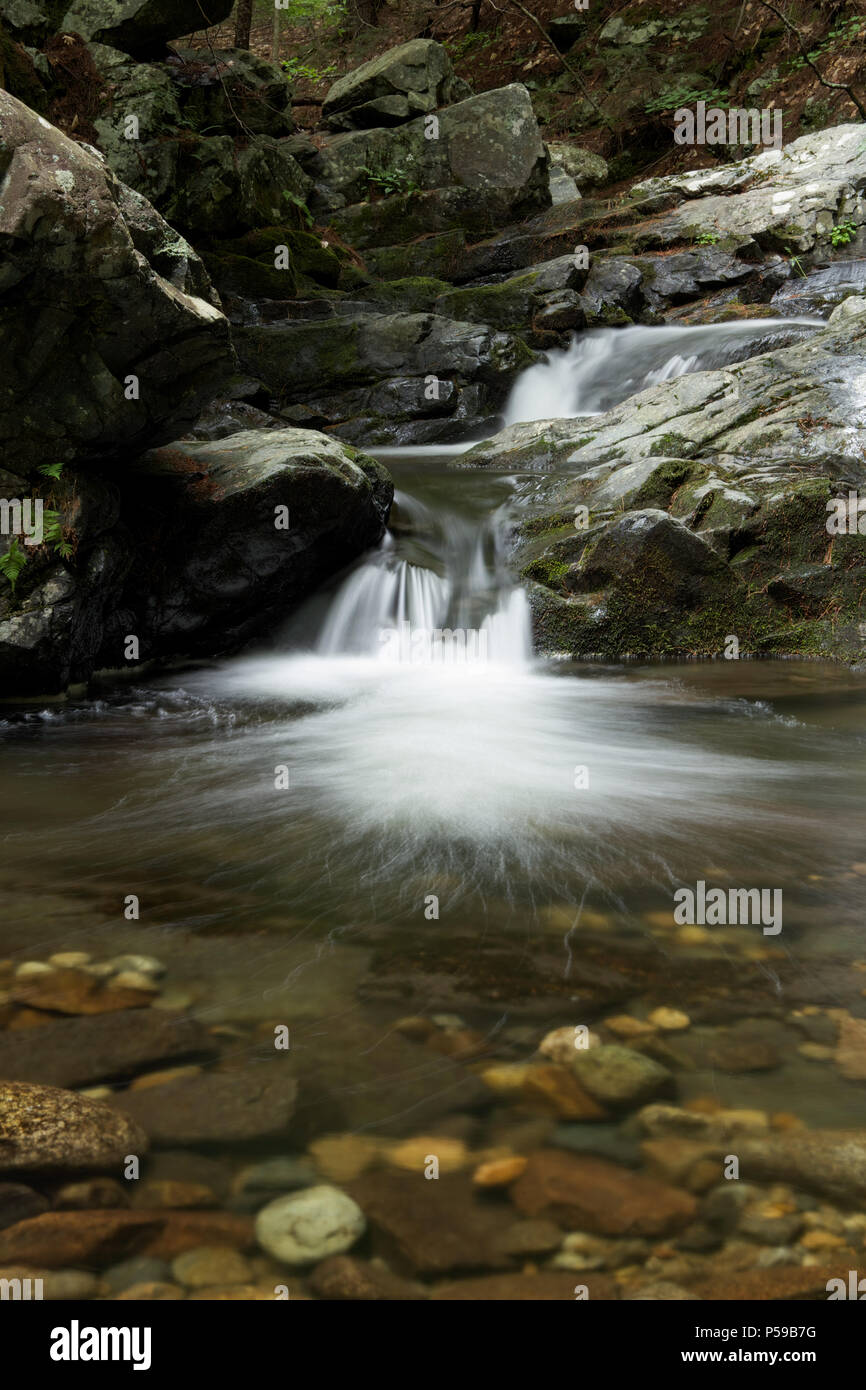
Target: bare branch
{"points": [[834, 86]]}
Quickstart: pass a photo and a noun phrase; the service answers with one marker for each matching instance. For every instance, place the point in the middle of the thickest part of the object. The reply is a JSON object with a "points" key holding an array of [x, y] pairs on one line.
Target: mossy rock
{"points": [[309, 258], [250, 279]]}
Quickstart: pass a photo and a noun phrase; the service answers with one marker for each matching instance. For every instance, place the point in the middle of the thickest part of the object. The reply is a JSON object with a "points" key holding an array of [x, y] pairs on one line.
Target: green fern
{"points": [[13, 562]]}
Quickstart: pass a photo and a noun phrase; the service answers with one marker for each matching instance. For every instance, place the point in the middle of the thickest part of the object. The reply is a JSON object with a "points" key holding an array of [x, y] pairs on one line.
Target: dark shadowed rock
{"points": [[82, 310], [430, 1227], [78, 1052], [213, 1108]]}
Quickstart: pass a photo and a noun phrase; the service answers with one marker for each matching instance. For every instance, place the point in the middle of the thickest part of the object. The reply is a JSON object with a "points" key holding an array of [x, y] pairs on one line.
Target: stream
{"points": [[364, 818]]}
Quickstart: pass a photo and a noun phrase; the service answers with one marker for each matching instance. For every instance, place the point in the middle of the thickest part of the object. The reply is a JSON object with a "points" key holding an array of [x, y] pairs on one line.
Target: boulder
{"points": [[83, 311], [707, 502], [378, 369], [226, 570], [186, 157], [784, 199], [588, 170], [229, 568], [402, 83], [44, 1128], [142, 27], [486, 142]]}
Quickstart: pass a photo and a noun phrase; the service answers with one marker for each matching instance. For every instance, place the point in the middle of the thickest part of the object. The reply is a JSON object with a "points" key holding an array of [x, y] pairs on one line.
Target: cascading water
{"points": [[602, 368]]}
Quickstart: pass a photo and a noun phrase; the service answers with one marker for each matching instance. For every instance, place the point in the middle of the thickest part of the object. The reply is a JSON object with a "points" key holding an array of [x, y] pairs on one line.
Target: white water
{"points": [[405, 769], [603, 367]]}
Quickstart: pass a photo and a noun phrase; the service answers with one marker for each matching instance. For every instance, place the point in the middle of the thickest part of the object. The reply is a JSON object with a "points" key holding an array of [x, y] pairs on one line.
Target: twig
{"points": [[835, 86]]}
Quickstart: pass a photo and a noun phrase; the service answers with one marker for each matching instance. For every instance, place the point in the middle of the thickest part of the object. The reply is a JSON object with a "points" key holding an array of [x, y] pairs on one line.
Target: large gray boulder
{"points": [[698, 509], [229, 565], [209, 185], [790, 198], [99, 351], [395, 87], [139, 26]]}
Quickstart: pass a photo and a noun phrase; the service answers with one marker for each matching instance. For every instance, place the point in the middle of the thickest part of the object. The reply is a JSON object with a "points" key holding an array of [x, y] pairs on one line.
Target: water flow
{"points": [[602, 368]]}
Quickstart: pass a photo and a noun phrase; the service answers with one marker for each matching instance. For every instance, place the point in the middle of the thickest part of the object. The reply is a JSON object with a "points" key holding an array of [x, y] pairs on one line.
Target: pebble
{"points": [[140, 1269], [170, 1194], [141, 965], [557, 1091], [18, 1202], [506, 1078], [412, 1154], [273, 1176], [342, 1157], [619, 1076], [669, 1020], [69, 960], [173, 1000], [159, 1078], [29, 969], [820, 1240], [210, 1264], [624, 1026], [560, 1045], [308, 1226], [151, 1293], [816, 1052], [90, 1194], [134, 979], [499, 1172]]}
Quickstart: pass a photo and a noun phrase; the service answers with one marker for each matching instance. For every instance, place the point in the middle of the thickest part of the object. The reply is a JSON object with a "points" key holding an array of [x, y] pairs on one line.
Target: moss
{"points": [[255, 279], [309, 257], [662, 483]]}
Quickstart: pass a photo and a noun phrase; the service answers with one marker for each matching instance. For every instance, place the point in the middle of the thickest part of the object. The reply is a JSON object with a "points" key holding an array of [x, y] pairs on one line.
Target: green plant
{"points": [[707, 238], [51, 470], [294, 68], [54, 533], [394, 179], [673, 97], [842, 233], [796, 263], [298, 203], [13, 562]]}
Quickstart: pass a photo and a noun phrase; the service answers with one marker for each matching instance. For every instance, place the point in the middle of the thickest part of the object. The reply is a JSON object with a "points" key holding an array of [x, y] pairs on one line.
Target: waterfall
{"points": [[605, 366]]}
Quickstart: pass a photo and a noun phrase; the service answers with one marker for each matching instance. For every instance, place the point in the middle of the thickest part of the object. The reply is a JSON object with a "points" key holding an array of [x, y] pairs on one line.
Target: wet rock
{"points": [[210, 1264], [151, 1292], [593, 1195], [18, 1202], [310, 1225], [214, 1108], [429, 1227], [340, 1157], [259, 1182], [61, 1238], [659, 1291], [42, 1127], [850, 1055], [90, 1194], [79, 1051], [499, 1172], [780, 1282], [167, 1193], [525, 1288], [74, 992], [600, 1140], [141, 1269], [832, 1162], [560, 1093], [619, 1076], [394, 87], [212, 496], [126, 312], [413, 1155], [345, 1277], [527, 1238]]}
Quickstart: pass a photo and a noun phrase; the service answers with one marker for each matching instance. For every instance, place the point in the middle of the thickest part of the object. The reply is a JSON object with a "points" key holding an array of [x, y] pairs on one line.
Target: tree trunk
{"points": [[275, 42], [243, 23]]}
